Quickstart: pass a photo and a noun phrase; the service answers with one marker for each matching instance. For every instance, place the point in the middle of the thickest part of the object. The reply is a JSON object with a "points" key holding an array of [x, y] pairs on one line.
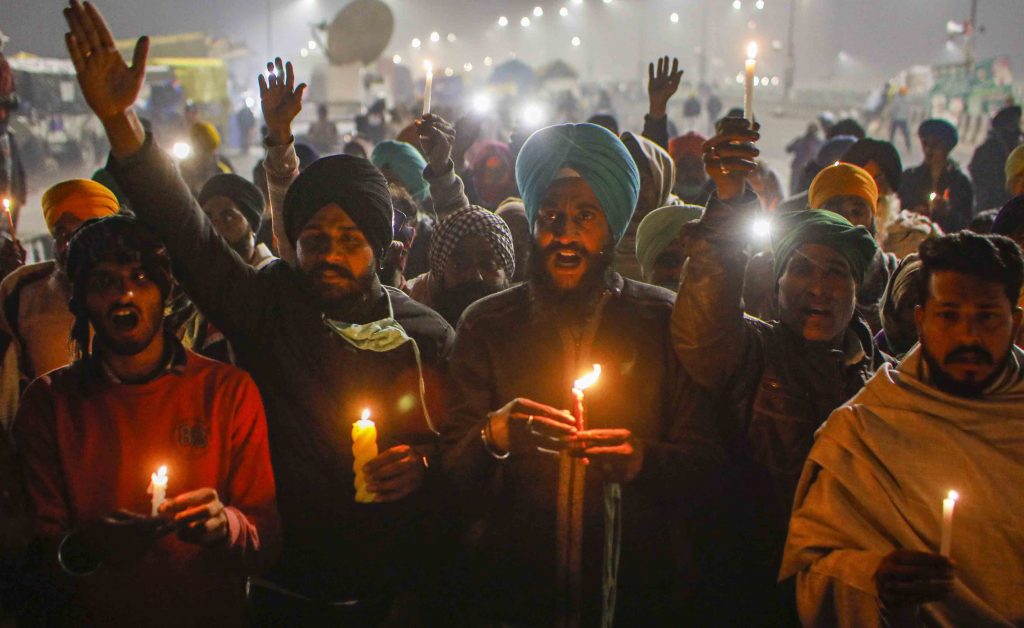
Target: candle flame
{"points": [[7, 204], [589, 379], [160, 477], [365, 415], [953, 495], [932, 196], [752, 50], [428, 66]]}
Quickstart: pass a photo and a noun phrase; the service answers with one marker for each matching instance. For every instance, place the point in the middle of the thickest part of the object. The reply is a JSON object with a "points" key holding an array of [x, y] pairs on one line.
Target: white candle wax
{"points": [[426, 91], [948, 505], [158, 488]]}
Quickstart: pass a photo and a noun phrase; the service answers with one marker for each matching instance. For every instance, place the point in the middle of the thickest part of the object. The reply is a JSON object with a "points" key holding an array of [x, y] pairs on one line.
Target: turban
{"points": [[940, 130], [599, 157], [121, 239], [658, 229], [351, 183], [204, 135], [467, 221], [246, 196], [656, 160], [407, 163], [842, 180], [107, 180], [829, 229], [306, 154], [1010, 218], [882, 153], [1015, 163], [689, 145], [82, 198]]}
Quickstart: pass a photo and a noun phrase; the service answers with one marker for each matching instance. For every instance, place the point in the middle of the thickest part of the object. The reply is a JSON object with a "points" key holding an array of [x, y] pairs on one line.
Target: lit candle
{"points": [[578, 387], [7, 210], [427, 88], [158, 488], [748, 92], [948, 505], [364, 449]]}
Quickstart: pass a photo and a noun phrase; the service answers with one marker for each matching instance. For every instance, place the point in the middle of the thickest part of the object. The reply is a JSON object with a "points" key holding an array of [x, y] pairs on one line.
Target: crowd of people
{"points": [[552, 381]]}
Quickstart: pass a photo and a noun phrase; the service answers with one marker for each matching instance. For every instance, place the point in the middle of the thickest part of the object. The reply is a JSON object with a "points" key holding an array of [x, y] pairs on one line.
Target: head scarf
{"points": [[246, 196], [842, 180], [656, 160], [689, 145], [1010, 218], [494, 175], [884, 154], [599, 157], [406, 162], [82, 198], [904, 283], [1015, 163], [658, 229], [204, 136], [467, 221], [353, 184], [941, 130], [828, 229]]}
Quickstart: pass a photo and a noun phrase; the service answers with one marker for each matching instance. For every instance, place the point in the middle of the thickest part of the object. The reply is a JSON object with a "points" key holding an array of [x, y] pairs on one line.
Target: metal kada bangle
{"points": [[485, 436], [64, 566]]}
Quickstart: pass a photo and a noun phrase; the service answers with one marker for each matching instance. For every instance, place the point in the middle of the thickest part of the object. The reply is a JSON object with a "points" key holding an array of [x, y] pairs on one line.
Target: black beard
{"points": [[950, 386], [575, 303], [450, 303], [348, 306]]}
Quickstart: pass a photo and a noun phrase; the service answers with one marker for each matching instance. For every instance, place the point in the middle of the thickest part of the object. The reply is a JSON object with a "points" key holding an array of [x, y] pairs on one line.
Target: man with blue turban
{"points": [[938, 188], [779, 380], [548, 550]]}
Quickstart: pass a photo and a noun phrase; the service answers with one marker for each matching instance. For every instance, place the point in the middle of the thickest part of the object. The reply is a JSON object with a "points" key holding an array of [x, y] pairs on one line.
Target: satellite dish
{"points": [[359, 32]]}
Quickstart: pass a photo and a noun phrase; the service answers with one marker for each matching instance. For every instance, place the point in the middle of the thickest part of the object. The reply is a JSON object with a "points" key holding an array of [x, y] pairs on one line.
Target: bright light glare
{"points": [[396, 59], [564, 12], [538, 11], [311, 45], [674, 18], [736, 4], [435, 37], [752, 50], [502, 21], [532, 115], [304, 52], [524, 22], [416, 43], [467, 67], [576, 42], [761, 229], [488, 61], [482, 103], [739, 78], [759, 4], [181, 150], [577, 1], [449, 72], [451, 38], [250, 102]]}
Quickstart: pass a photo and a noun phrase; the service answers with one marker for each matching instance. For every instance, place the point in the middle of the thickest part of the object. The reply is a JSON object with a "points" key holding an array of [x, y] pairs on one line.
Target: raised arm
{"points": [[281, 102], [438, 139], [709, 331], [662, 84], [215, 278]]}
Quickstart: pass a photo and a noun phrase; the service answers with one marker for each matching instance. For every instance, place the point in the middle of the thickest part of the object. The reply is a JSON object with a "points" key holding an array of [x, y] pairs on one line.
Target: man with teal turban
{"points": [[646, 436], [401, 163], [781, 379]]}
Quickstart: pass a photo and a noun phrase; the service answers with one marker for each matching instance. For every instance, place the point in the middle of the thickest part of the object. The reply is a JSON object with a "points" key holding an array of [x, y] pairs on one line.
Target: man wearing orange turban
{"points": [[35, 322]]}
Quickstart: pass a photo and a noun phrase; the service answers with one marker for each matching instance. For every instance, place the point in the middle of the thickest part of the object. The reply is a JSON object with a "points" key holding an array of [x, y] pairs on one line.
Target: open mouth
{"points": [[124, 319], [567, 259], [816, 312]]}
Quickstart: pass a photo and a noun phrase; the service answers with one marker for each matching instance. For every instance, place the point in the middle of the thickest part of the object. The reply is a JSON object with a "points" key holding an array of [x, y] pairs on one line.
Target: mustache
{"points": [[969, 354], [327, 267], [572, 247]]}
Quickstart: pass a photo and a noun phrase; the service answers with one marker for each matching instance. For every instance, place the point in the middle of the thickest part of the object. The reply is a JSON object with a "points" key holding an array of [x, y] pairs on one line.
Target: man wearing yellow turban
{"points": [[35, 322]]}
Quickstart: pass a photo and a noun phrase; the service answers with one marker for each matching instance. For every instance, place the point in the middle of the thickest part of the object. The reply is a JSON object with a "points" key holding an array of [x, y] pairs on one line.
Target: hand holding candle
{"points": [[948, 505], [157, 488], [578, 411], [748, 91], [10, 218], [364, 449]]}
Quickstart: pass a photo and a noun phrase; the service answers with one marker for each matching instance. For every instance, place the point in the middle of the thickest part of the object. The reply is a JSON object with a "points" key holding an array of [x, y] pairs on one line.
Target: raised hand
{"points": [[437, 138], [280, 100], [109, 85], [662, 84]]}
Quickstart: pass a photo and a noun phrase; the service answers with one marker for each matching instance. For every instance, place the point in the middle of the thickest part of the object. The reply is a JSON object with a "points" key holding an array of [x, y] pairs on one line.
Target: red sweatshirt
{"points": [[89, 450]]}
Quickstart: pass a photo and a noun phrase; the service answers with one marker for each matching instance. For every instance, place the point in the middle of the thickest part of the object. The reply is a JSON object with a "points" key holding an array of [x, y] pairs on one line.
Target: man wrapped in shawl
{"points": [[866, 542]]}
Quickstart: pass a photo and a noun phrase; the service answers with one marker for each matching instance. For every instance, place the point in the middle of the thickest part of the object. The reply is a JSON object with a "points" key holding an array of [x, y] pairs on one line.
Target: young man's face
{"points": [[334, 254], [853, 208], [230, 223], [571, 231], [817, 293], [967, 326], [62, 232], [935, 152], [125, 307]]}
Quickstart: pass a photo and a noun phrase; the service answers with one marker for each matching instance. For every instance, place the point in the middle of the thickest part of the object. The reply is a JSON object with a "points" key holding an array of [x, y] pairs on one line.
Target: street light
{"points": [[674, 18], [416, 43], [576, 42], [435, 37], [564, 12], [538, 12], [736, 4], [525, 22], [502, 21]]}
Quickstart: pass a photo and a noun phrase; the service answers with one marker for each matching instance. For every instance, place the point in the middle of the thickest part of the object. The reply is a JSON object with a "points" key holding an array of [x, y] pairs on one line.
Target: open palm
{"points": [[280, 99], [109, 85]]}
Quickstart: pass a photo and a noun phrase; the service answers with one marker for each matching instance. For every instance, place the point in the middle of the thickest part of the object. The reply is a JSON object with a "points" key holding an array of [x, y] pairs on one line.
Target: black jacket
{"points": [[314, 386], [955, 195], [509, 345]]}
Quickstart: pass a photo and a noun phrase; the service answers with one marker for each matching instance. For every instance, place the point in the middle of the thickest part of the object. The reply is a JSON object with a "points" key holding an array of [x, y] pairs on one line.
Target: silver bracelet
{"points": [[64, 565], [485, 437]]}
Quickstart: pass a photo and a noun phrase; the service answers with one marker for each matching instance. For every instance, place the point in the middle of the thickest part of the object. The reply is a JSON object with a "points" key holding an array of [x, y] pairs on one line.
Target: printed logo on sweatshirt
{"points": [[194, 434]]}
